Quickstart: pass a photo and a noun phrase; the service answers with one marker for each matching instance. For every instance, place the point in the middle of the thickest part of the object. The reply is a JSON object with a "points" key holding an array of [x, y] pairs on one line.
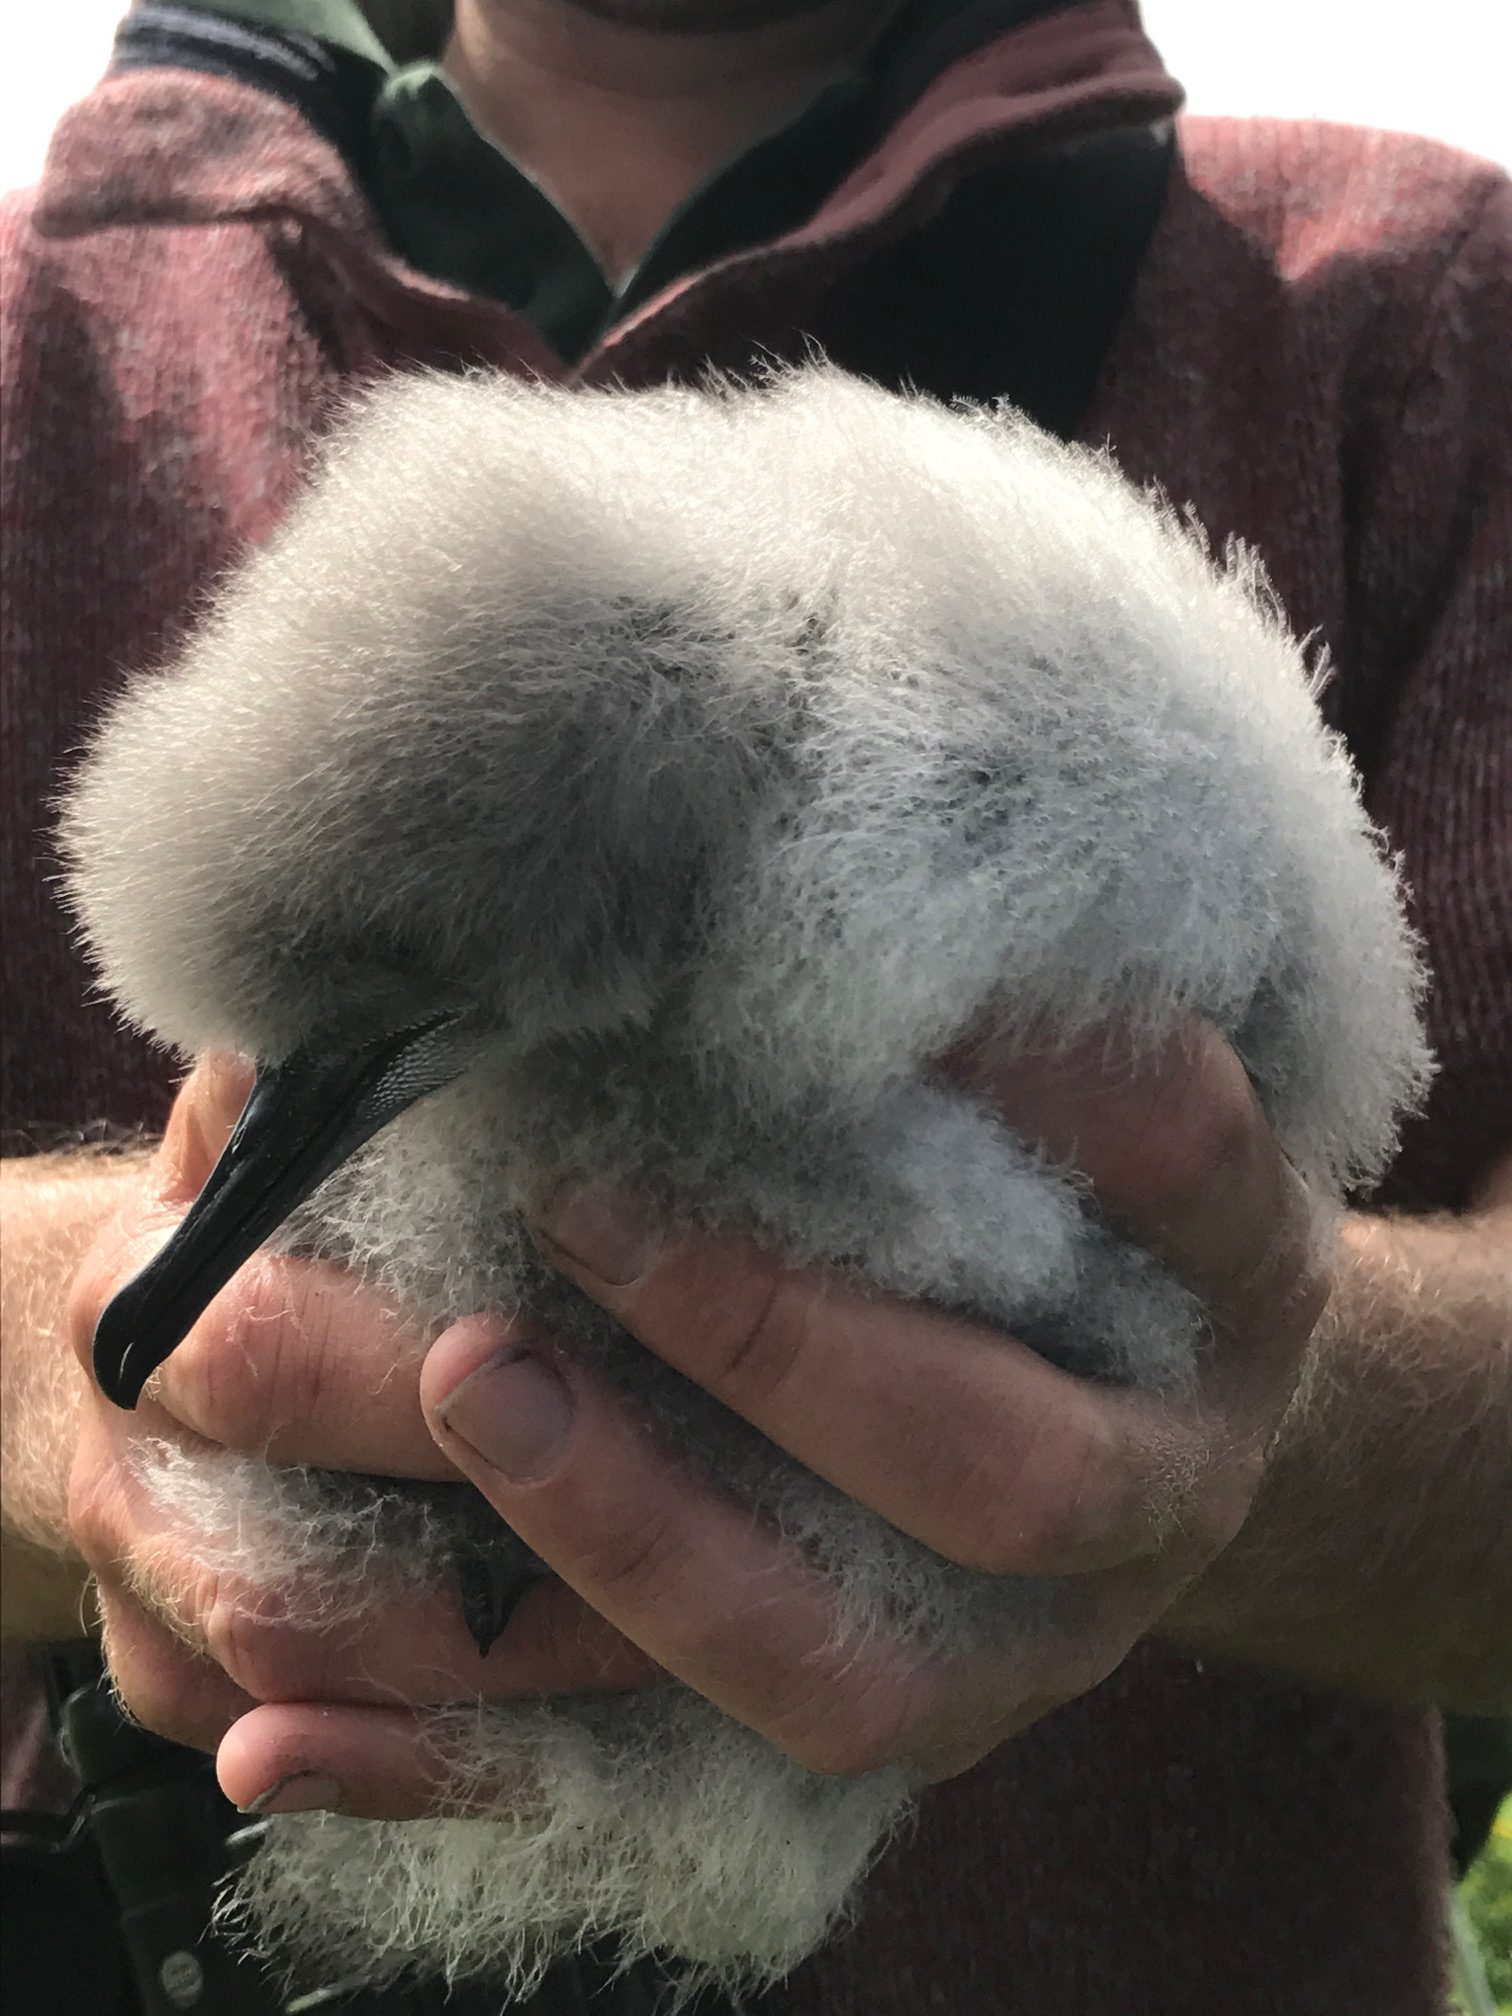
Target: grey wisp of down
{"points": [[716, 758]]}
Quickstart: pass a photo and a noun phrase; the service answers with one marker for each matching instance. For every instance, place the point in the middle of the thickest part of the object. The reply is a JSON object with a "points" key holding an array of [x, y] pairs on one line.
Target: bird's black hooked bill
{"points": [[304, 1118]]}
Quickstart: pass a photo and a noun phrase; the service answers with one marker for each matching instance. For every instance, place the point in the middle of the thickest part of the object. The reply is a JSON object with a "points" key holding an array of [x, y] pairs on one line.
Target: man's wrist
{"points": [[1376, 1557]]}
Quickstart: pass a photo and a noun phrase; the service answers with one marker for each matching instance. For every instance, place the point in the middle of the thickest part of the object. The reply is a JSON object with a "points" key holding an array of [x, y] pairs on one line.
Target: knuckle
{"points": [[1084, 1667], [161, 1684], [845, 1732], [94, 1508], [199, 1620], [88, 1293], [181, 1716], [92, 1527], [1067, 1501], [955, 1755], [265, 1658], [1287, 1283], [243, 1372], [763, 1352], [110, 1261], [640, 1562], [1223, 1502], [1200, 1136], [1059, 1515], [167, 1700], [1077, 1647], [853, 1752], [200, 1123], [983, 1522], [1309, 1287]]}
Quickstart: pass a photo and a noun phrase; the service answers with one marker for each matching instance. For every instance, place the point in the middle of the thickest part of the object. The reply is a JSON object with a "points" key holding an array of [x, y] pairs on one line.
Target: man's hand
{"points": [[959, 1436], [297, 1363]]}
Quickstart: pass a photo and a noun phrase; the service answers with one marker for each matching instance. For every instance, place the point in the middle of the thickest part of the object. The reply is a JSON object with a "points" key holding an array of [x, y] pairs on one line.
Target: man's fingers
{"points": [[120, 1252], [166, 1686], [203, 1116], [960, 1436], [1181, 1158], [200, 1123], [411, 1648], [280, 1643], [293, 1360], [372, 1763], [384, 1763], [296, 1362], [685, 1571]]}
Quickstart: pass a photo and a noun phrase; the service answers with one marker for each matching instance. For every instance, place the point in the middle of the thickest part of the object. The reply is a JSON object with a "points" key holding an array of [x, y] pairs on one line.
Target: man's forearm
{"points": [[1378, 1557], [52, 1207]]}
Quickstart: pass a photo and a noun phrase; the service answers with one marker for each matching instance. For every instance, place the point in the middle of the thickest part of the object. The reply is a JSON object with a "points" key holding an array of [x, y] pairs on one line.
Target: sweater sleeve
{"points": [[149, 434], [1431, 584]]}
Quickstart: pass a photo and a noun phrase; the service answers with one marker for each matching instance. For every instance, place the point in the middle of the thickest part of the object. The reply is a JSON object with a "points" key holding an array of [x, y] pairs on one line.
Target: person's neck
{"points": [[620, 124]]}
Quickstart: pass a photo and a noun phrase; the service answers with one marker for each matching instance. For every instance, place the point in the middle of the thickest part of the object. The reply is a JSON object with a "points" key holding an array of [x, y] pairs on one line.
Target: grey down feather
{"points": [[731, 753]]}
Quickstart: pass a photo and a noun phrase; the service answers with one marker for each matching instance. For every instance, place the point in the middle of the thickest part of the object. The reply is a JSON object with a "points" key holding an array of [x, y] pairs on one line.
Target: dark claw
{"points": [[490, 1592]]}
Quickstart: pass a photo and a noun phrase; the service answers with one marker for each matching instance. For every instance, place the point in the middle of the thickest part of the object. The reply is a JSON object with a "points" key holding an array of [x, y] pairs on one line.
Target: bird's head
{"points": [[450, 774]]}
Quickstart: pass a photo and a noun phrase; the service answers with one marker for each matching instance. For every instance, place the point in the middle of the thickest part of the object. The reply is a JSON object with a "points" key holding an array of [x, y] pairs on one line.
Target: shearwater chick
{"points": [[653, 787]]}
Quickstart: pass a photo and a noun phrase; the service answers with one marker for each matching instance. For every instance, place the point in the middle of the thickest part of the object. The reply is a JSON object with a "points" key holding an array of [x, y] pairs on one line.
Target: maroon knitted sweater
{"points": [[1315, 356]]}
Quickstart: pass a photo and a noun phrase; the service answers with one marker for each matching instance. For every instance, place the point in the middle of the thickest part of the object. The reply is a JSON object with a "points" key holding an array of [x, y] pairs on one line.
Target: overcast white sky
{"points": [[1426, 66]]}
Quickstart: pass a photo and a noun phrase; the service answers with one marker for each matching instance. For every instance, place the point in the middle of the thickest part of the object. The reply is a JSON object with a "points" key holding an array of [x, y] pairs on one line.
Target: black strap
{"points": [[152, 1837], [164, 1835], [1018, 287], [1086, 228]]}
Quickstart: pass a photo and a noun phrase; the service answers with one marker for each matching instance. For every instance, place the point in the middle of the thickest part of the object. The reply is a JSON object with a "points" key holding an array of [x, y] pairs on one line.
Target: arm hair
{"points": [[52, 1208], [1378, 1557]]}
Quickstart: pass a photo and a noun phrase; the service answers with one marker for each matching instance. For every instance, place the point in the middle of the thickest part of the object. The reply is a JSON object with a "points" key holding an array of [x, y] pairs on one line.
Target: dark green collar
{"points": [[340, 24], [457, 207]]}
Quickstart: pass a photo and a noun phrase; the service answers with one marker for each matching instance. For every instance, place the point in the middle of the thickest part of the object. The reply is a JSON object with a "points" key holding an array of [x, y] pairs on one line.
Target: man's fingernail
{"points": [[515, 1412], [299, 1792], [608, 1233]]}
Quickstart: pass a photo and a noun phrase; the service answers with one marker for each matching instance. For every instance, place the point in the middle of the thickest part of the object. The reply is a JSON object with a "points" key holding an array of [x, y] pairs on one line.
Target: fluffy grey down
{"points": [[735, 750]]}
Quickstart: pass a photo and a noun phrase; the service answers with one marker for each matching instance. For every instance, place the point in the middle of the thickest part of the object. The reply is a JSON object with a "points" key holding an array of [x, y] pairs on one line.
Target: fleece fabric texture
{"points": [[1314, 358]]}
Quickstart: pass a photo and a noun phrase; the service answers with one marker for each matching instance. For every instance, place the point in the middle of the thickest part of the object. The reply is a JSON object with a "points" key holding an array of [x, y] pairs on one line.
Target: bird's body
{"points": [[710, 763]]}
